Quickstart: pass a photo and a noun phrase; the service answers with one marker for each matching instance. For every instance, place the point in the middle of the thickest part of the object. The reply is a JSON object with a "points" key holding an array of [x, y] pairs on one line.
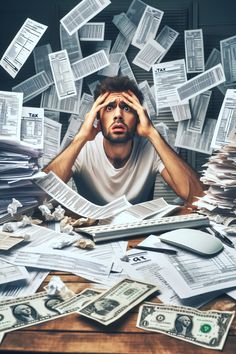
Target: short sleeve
{"points": [[158, 164]]}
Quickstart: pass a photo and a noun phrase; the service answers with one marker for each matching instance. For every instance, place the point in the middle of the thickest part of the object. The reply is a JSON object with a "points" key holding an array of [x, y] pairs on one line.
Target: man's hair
{"points": [[118, 84]]}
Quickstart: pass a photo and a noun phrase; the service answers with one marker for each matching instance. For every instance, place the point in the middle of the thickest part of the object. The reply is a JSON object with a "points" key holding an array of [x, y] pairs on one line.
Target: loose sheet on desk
{"points": [[10, 272], [145, 265], [94, 264], [64, 195], [192, 275], [23, 287], [155, 208]]}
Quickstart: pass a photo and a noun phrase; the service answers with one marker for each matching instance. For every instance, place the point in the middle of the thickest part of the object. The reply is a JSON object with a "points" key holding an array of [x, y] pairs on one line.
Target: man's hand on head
{"points": [[144, 126], [88, 131]]}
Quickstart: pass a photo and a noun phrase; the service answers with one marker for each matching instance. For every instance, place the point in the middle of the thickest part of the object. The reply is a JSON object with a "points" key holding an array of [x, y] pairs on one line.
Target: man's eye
{"points": [[126, 108], [109, 108]]}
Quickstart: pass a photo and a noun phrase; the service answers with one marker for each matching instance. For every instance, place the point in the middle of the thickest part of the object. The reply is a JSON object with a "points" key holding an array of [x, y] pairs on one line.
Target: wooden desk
{"points": [[77, 334]]}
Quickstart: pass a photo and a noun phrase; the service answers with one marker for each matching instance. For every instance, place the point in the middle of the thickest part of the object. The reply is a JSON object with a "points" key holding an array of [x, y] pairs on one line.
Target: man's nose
{"points": [[118, 113]]}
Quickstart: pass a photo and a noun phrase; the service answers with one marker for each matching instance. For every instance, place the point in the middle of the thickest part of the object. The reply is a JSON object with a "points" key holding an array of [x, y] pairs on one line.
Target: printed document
{"points": [[148, 55], [124, 25], [226, 121], [21, 46], [167, 76], [92, 31], [194, 51], [90, 64], [201, 83], [82, 13], [64, 195], [147, 27], [192, 275], [145, 265], [199, 105], [32, 126], [34, 85], [50, 100], [71, 44], [192, 140], [227, 49], [166, 38], [10, 114], [41, 60], [52, 138], [62, 74]]}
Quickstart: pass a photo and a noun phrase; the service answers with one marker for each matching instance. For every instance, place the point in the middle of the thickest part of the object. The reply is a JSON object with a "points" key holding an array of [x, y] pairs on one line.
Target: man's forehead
{"points": [[114, 96]]}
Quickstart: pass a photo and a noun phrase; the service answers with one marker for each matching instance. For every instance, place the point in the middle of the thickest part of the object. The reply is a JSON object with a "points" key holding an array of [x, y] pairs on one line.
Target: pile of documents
{"points": [[18, 163], [220, 177]]}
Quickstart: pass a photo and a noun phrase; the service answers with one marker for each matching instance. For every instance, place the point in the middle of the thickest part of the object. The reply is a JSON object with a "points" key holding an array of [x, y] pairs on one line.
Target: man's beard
{"points": [[119, 139]]}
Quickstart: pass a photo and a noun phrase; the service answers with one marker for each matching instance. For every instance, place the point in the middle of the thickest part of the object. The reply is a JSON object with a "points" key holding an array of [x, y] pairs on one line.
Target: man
{"points": [[123, 153]]}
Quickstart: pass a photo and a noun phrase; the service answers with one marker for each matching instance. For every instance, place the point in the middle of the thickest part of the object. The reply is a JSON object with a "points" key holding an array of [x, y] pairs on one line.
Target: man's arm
{"points": [[62, 164], [180, 177]]}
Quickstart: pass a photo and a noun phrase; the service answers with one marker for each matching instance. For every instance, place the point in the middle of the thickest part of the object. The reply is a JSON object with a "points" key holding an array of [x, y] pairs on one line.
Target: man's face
{"points": [[118, 121]]}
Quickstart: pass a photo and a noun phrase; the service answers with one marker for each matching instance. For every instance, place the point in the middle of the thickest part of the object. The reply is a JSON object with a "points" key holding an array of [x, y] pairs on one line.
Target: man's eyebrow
{"points": [[111, 103]]}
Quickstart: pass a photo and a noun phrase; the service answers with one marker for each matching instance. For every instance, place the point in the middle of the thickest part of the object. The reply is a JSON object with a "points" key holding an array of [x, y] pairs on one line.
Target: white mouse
{"points": [[193, 240]]}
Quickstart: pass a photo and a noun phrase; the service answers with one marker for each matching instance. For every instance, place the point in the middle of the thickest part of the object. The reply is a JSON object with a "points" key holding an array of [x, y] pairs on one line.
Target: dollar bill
{"points": [[118, 300], [205, 328], [77, 302], [41, 307]]}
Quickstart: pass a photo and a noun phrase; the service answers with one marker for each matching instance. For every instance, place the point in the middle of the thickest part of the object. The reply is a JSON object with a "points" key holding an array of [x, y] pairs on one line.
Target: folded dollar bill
{"points": [[205, 328], [33, 309], [118, 300]]}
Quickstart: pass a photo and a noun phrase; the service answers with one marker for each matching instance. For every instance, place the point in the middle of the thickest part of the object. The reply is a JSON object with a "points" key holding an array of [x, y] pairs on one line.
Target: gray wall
{"points": [[215, 17]]}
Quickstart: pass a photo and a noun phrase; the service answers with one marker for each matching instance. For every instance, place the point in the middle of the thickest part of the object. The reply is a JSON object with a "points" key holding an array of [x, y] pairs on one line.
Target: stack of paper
{"points": [[220, 176], [18, 163]]}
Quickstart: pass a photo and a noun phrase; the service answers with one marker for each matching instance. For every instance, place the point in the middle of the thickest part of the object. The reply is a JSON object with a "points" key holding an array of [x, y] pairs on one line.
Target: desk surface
{"points": [[77, 334]]}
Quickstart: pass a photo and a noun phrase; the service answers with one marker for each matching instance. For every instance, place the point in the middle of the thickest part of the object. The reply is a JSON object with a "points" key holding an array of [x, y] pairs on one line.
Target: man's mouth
{"points": [[119, 128]]}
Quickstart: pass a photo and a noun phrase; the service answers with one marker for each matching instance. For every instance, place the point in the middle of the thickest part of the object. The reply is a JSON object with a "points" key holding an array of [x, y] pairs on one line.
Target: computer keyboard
{"points": [[112, 232]]}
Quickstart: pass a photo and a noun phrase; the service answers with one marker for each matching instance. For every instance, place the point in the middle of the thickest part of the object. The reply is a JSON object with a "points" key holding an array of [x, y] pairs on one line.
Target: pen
{"points": [[222, 238], [156, 249]]}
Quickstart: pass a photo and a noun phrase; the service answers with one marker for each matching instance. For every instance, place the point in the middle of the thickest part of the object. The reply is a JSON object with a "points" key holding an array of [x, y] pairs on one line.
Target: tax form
{"points": [[226, 121], [82, 13], [21, 46], [145, 265], [190, 275], [64, 195]]}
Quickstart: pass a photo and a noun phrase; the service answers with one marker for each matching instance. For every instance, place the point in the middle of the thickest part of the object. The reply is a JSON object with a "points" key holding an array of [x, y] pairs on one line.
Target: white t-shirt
{"points": [[100, 182]]}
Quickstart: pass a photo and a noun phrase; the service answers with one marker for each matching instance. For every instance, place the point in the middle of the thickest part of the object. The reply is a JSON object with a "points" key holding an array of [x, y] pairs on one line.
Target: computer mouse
{"points": [[193, 240]]}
